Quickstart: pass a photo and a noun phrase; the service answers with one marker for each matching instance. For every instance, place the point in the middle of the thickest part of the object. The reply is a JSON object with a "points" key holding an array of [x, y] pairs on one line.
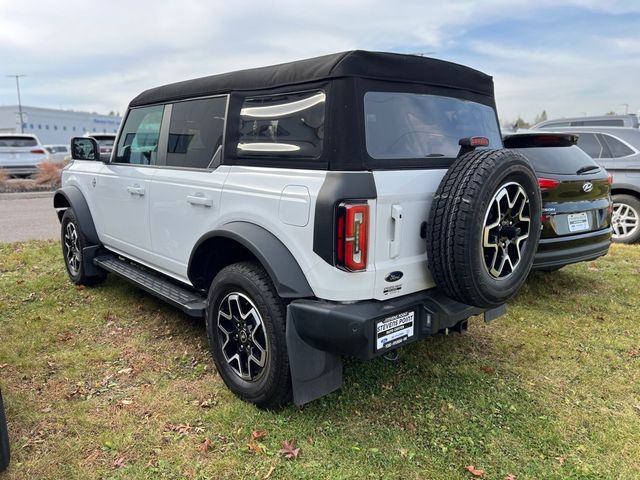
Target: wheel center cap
{"points": [[243, 336]]}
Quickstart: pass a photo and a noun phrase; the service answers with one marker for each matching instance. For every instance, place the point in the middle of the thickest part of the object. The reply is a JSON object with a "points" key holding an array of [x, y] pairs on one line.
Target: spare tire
{"points": [[484, 227]]}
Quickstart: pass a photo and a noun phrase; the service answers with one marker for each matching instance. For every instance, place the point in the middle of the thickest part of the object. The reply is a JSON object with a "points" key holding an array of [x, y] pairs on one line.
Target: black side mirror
{"points": [[84, 148]]}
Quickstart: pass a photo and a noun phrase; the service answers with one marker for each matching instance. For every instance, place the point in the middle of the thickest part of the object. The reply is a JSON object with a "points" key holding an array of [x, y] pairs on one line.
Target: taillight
{"points": [[547, 183], [352, 226], [610, 179], [38, 150]]}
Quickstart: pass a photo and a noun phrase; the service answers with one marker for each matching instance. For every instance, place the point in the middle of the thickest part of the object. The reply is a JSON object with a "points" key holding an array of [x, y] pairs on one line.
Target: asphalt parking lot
{"points": [[27, 217]]}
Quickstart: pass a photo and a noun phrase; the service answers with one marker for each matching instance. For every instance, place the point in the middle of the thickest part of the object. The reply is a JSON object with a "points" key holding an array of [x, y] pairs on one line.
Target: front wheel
{"points": [[246, 332], [626, 219], [73, 244]]}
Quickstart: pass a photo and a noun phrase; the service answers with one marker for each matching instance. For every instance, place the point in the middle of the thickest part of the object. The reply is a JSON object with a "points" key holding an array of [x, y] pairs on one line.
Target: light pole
{"points": [[17, 77]]}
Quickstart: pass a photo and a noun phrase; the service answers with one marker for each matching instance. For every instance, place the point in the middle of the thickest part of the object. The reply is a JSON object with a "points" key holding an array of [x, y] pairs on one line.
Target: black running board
{"points": [[186, 300]]}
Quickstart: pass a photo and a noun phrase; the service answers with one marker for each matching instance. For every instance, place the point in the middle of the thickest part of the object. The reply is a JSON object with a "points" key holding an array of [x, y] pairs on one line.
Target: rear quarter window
{"points": [[290, 125]]}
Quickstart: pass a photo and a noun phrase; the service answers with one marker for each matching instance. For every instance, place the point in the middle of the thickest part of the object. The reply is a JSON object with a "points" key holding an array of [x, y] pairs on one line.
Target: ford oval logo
{"points": [[587, 187], [394, 276]]}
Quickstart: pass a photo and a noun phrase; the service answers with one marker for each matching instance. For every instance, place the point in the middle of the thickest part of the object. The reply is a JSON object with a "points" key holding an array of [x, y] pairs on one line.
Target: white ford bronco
{"points": [[348, 204]]}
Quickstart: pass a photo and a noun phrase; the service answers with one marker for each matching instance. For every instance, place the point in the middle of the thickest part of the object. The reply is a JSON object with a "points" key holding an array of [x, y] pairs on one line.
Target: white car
{"points": [[343, 205], [105, 143], [21, 153], [58, 153]]}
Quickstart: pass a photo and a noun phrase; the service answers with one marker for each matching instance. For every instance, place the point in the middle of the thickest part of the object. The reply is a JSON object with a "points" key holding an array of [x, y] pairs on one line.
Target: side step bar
{"points": [[186, 300]]}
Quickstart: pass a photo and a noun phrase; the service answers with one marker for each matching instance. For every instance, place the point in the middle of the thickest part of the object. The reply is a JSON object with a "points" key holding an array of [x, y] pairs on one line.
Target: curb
{"points": [[25, 195]]}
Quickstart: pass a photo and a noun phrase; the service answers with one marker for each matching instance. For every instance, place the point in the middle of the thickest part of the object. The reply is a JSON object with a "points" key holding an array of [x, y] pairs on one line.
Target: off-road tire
{"points": [[272, 389], [634, 203], [4, 439], [456, 225], [76, 272]]}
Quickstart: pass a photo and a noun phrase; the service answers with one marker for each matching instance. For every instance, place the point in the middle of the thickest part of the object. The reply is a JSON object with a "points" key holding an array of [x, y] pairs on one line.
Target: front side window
{"points": [[195, 133], [590, 144], [290, 125], [616, 147], [138, 143], [411, 125]]}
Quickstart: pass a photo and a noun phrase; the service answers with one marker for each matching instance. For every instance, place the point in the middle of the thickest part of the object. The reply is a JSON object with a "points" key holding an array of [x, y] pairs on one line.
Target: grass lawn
{"points": [[108, 382]]}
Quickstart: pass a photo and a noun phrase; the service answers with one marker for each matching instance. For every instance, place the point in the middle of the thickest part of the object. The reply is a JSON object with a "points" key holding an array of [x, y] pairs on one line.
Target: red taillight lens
{"points": [[610, 179], [352, 242], [547, 183], [38, 150], [479, 141]]}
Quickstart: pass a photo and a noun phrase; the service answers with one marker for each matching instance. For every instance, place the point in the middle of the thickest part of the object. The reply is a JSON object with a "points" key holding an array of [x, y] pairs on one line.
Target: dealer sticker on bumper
{"points": [[392, 331], [578, 222]]}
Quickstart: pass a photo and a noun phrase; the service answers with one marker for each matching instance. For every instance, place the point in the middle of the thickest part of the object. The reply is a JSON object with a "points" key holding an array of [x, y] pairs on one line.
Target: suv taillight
{"points": [[38, 150], [352, 242]]}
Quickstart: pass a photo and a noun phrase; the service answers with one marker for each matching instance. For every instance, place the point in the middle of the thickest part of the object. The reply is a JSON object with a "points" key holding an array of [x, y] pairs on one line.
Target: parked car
{"points": [[618, 150], [576, 200], [58, 153], [21, 153], [105, 142], [629, 120], [4, 439], [309, 210]]}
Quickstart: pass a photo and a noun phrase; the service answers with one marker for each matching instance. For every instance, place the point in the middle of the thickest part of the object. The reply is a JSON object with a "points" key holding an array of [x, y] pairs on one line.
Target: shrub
{"points": [[49, 173]]}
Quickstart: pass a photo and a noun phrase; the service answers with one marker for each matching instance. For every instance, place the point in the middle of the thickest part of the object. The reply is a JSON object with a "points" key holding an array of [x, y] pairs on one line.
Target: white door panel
{"points": [[403, 204], [185, 204]]}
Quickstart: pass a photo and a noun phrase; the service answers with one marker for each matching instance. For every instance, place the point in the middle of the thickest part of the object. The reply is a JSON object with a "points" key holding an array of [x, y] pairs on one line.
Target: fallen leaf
{"points": [[204, 448], [125, 371], [474, 471], [289, 449], [560, 460], [80, 287], [205, 403], [126, 402], [258, 434], [3, 365], [254, 447], [119, 462], [268, 475], [510, 476]]}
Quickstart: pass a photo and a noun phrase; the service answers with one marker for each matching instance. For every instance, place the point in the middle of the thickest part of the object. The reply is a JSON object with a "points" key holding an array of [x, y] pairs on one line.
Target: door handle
{"points": [[396, 221], [199, 199], [135, 190]]}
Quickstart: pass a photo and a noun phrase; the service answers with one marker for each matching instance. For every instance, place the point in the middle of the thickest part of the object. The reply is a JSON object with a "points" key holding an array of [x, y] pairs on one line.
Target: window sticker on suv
{"points": [[411, 125], [284, 125]]}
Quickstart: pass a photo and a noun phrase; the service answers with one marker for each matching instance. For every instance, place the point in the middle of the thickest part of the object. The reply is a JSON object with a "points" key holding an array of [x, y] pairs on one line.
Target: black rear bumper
{"points": [[320, 332], [560, 251]]}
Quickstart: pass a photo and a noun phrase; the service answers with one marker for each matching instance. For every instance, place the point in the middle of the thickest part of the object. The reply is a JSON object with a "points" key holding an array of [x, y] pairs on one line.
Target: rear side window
{"points": [[290, 125], [138, 143], [18, 142], [590, 144], [616, 147], [195, 133], [412, 125]]}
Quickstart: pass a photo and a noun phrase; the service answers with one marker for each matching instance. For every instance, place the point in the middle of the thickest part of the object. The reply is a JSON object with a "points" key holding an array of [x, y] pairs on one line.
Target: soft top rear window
{"points": [[413, 126], [18, 142]]}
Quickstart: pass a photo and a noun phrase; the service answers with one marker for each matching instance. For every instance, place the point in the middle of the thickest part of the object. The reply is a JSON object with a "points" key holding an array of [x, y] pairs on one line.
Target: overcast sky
{"points": [[569, 57]]}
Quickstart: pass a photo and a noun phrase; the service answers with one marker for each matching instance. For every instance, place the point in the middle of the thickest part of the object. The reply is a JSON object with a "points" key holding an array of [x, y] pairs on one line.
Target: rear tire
{"points": [[246, 332], [73, 242], [484, 227], [626, 219]]}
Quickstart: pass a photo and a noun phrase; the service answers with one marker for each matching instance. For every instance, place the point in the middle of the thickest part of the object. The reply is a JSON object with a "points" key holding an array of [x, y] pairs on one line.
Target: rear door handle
{"points": [[396, 221], [199, 199], [135, 190]]}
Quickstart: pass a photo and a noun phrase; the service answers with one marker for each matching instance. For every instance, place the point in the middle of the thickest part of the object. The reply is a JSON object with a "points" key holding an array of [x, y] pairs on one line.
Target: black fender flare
{"points": [[275, 257], [71, 196]]}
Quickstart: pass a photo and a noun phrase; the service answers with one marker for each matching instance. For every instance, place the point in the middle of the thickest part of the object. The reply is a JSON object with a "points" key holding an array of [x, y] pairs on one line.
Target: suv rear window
{"points": [[18, 142], [289, 125], [411, 125]]}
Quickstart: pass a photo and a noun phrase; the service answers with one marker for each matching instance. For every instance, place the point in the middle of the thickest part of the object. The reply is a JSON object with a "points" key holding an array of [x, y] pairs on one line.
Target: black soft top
{"points": [[356, 63]]}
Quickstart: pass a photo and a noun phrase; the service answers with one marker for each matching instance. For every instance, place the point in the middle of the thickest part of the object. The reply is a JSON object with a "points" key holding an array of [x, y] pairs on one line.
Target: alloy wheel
{"points": [[625, 221], [244, 341], [72, 249], [507, 226]]}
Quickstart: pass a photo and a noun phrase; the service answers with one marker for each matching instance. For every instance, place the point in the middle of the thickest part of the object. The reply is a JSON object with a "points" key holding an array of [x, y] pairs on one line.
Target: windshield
{"points": [[18, 142], [412, 125]]}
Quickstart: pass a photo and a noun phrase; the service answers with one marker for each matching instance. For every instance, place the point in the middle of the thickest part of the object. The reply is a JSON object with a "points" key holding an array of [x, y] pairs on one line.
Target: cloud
{"points": [[542, 54]]}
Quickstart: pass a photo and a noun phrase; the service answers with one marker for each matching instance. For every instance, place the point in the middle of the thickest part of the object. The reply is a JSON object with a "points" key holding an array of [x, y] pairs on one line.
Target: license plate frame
{"points": [[578, 222], [395, 330]]}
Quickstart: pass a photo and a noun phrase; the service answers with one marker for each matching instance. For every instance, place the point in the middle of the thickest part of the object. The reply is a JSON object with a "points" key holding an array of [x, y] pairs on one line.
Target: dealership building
{"points": [[53, 126]]}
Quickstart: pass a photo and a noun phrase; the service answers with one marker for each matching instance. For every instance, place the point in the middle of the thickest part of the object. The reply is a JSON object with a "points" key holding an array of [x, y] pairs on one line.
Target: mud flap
{"points": [[314, 372]]}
